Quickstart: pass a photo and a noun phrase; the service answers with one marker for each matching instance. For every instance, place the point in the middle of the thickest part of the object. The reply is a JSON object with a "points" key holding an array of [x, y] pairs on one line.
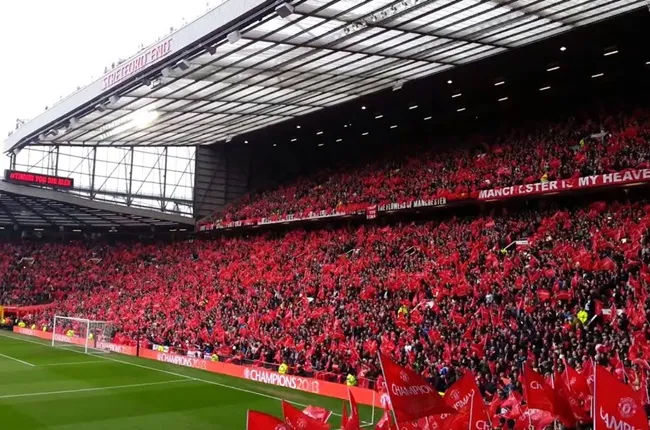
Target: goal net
{"points": [[79, 333]]}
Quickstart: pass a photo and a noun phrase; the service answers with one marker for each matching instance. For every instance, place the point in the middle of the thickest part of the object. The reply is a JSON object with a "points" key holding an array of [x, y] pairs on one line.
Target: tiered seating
{"points": [[584, 146], [436, 296]]}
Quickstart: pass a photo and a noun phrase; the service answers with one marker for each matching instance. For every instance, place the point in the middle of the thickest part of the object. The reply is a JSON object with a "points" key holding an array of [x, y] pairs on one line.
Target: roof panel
{"points": [[327, 52]]}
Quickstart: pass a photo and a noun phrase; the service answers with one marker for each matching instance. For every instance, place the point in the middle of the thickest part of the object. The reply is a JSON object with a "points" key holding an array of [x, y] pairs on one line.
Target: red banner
{"points": [[371, 212], [411, 396], [616, 405], [631, 176]]}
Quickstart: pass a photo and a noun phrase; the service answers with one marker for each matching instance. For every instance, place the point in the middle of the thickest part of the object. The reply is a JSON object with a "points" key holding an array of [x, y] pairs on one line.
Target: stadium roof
{"points": [[242, 66], [28, 207]]}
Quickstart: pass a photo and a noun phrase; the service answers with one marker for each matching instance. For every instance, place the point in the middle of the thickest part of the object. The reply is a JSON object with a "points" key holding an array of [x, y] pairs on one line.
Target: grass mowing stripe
{"points": [[84, 390], [205, 381], [18, 360], [71, 363]]}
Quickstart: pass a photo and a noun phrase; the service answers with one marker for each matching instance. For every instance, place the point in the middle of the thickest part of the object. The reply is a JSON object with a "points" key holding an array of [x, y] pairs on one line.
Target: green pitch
{"points": [[42, 387]]}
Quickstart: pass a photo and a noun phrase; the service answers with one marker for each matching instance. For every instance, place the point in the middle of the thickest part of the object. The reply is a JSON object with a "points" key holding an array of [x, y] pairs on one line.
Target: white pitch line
{"points": [[85, 390], [18, 360], [205, 381], [72, 363]]}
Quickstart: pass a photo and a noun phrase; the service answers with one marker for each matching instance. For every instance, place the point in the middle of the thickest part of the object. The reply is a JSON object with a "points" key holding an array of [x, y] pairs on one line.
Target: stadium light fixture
{"points": [[363, 108], [212, 49], [113, 99], [460, 110], [182, 229], [38, 229], [321, 144], [610, 51], [552, 69], [365, 133], [597, 75], [503, 99], [427, 118], [284, 9], [499, 83], [647, 63], [183, 65], [398, 85], [339, 140], [319, 133], [413, 107], [100, 108], [246, 141], [298, 127], [234, 37], [545, 88], [450, 82], [393, 126], [456, 95], [562, 48], [380, 116], [275, 144], [294, 139], [76, 230]]}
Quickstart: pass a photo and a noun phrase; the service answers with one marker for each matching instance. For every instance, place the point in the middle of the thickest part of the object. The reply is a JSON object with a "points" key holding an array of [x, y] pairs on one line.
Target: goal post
{"points": [[83, 333]]}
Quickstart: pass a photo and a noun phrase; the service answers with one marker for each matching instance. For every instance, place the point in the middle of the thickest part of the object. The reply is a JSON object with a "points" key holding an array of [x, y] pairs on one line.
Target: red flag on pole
{"points": [[616, 405], [353, 422], [410, 394], [577, 382], [465, 396], [537, 393], [317, 413], [261, 421], [298, 420]]}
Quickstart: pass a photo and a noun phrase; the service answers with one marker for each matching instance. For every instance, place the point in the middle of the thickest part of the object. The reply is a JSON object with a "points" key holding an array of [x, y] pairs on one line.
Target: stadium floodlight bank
{"points": [[89, 335]]}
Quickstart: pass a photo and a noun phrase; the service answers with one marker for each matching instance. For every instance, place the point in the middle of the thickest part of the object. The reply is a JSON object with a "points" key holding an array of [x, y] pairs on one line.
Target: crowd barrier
{"points": [[314, 386]]}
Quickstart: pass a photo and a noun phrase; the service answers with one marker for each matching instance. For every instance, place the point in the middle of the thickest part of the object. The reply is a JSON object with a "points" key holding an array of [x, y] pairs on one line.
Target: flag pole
{"points": [[471, 411], [247, 414], [374, 399], [593, 400], [392, 409]]}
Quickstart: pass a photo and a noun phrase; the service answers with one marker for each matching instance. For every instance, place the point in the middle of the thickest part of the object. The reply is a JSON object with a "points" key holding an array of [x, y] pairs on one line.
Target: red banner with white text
{"points": [[626, 177]]}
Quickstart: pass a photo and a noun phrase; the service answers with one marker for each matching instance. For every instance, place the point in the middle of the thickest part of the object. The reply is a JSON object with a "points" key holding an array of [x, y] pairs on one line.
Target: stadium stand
{"points": [[558, 282], [581, 146], [438, 296]]}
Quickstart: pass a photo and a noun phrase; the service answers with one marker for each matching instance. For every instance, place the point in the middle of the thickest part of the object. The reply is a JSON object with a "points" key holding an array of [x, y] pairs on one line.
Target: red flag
{"points": [[537, 393], [261, 421], [386, 422], [534, 418], [565, 394], [344, 415], [465, 397], [353, 422], [411, 396], [298, 420], [577, 382], [317, 413], [616, 405]]}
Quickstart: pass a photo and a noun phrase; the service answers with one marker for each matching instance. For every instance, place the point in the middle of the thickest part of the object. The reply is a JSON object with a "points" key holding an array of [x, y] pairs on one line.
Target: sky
{"points": [[49, 47]]}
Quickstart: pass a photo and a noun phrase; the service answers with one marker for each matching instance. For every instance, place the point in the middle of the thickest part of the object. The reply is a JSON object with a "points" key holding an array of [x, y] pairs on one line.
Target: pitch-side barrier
{"points": [[310, 385]]}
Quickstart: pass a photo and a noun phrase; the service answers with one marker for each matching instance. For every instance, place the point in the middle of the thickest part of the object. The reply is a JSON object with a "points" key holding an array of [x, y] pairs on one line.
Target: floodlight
{"points": [[234, 37], [284, 9], [183, 65]]}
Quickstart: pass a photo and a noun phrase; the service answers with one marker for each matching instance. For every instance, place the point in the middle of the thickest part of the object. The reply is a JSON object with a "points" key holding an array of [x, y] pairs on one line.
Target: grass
{"points": [[42, 387]]}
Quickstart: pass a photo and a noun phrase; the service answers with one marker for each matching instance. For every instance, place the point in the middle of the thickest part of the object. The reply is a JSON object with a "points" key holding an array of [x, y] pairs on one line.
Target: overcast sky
{"points": [[49, 47]]}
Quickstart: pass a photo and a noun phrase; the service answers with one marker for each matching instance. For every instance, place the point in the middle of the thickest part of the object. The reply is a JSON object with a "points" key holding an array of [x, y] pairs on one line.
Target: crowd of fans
{"points": [[437, 296], [582, 145]]}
